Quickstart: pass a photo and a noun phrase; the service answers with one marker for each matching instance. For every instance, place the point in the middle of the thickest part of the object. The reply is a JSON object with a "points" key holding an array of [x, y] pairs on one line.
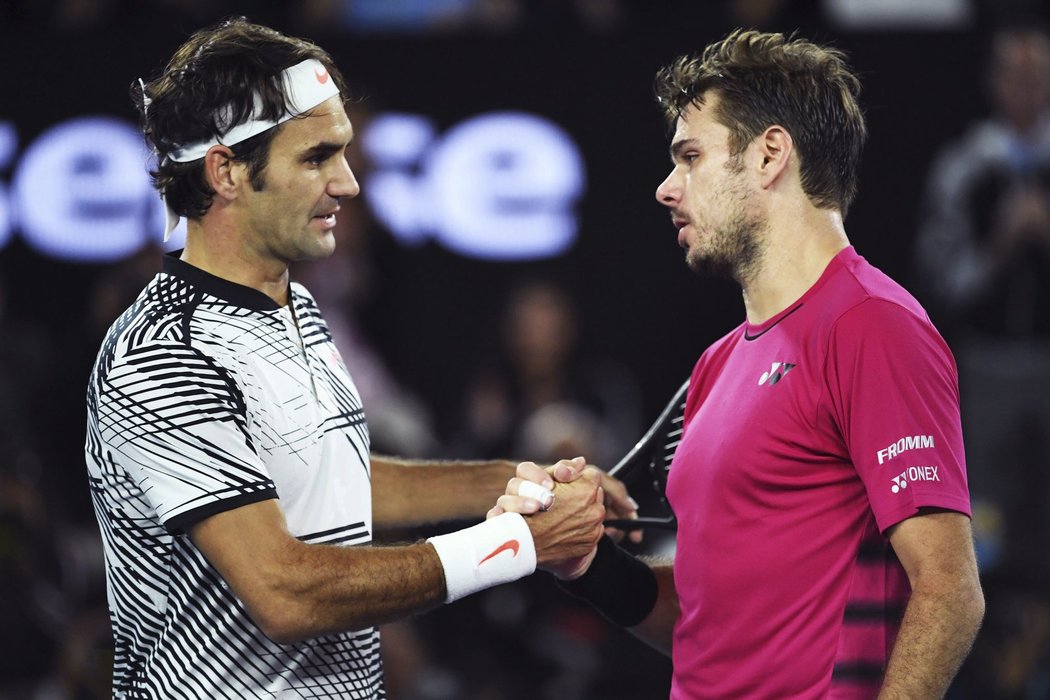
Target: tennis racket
{"points": [[648, 464]]}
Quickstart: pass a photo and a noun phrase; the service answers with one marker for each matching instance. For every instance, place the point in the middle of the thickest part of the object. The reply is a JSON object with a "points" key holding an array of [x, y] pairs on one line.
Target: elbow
{"points": [[956, 600], [281, 621], [965, 605], [973, 603], [276, 601], [280, 609]]}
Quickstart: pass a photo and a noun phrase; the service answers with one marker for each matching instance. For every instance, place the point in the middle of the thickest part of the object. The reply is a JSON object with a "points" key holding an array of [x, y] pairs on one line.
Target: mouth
{"points": [[327, 220], [680, 224]]}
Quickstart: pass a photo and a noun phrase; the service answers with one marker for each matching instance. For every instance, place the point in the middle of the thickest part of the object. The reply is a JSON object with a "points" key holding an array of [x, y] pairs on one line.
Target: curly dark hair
{"points": [[210, 83], [764, 79]]}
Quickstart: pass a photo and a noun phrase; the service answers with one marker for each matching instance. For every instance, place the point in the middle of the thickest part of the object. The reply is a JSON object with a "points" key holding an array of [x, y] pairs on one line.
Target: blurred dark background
{"points": [[458, 354]]}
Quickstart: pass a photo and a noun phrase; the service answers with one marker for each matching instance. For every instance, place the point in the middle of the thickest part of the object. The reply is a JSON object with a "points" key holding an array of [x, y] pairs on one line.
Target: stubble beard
{"points": [[735, 249]]}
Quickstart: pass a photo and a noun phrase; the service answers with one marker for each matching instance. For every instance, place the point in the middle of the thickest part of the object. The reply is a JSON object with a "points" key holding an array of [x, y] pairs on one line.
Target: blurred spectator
{"points": [[29, 605], [1011, 658], [983, 254], [51, 580], [538, 396]]}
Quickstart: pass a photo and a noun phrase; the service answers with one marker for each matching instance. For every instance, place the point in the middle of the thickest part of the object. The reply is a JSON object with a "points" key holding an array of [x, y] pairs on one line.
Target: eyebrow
{"points": [[679, 146], [324, 149]]}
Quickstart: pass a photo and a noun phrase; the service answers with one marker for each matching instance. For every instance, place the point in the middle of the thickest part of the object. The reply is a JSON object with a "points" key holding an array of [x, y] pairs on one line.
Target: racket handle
{"points": [[667, 523]]}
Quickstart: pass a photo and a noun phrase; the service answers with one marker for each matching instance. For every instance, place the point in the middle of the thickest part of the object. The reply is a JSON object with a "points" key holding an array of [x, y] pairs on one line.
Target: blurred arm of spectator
{"points": [[987, 199], [1023, 220]]}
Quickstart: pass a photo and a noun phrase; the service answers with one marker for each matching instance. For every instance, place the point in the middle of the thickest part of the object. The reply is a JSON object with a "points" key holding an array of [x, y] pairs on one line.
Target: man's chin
{"points": [[709, 265], [323, 246], [319, 250]]}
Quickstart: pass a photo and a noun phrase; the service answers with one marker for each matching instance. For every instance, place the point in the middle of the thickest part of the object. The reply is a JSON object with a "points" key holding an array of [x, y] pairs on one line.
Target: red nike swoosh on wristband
{"points": [[509, 545]]}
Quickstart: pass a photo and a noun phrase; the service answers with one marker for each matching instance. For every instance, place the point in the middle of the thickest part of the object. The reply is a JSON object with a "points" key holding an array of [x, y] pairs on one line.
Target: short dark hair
{"points": [[764, 79], [210, 83]]}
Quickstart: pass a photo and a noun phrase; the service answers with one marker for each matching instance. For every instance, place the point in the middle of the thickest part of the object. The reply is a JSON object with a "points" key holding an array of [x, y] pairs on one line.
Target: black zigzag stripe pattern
{"points": [[200, 402]]}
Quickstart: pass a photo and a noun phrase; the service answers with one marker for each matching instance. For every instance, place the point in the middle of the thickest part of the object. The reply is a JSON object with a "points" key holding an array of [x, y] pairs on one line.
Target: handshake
{"points": [[549, 518], [565, 507]]}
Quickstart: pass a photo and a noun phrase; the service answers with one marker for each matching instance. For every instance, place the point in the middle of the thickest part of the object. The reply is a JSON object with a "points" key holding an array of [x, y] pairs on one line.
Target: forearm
{"points": [[293, 590], [639, 596], [324, 589], [411, 493], [315, 589], [938, 629]]}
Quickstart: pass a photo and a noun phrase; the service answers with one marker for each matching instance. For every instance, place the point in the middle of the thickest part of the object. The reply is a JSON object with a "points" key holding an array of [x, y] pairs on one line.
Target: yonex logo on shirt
{"points": [[777, 372], [913, 474]]}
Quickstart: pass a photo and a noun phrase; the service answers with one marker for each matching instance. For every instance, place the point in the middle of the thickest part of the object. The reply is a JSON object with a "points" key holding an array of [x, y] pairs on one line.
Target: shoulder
{"points": [[867, 312], [880, 299], [155, 316], [862, 292], [167, 325]]}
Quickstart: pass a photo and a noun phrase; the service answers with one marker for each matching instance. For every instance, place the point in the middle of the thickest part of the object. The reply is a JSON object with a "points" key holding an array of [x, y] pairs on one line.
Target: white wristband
{"points": [[496, 551]]}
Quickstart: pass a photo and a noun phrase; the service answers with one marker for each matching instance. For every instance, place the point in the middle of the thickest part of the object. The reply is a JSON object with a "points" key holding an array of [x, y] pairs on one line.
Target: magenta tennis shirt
{"points": [[806, 438]]}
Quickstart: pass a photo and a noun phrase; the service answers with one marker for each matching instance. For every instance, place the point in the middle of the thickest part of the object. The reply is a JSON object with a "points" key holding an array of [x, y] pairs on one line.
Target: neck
{"points": [[798, 248], [220, 252]]}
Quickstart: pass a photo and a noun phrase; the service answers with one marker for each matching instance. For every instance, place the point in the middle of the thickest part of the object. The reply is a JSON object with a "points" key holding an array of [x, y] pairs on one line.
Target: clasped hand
{"points": [[566, 504]]}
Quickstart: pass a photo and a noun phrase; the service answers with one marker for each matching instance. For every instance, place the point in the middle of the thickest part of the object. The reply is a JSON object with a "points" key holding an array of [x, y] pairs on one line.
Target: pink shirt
{"points": [[806, 438]]}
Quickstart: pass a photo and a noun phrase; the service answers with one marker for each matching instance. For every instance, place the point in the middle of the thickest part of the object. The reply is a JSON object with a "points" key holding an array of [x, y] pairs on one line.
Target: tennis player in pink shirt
{"points": [[824, 546]]}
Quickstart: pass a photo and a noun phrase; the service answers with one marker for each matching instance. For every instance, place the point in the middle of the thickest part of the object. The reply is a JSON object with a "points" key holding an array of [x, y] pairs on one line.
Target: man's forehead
{"points": [[326, 121], [696, 120], [331, 109]]}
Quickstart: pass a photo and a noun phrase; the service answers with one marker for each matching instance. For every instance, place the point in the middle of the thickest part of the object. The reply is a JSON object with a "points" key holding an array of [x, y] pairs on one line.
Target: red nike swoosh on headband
{"points": [[511, 545], [321, 74]]}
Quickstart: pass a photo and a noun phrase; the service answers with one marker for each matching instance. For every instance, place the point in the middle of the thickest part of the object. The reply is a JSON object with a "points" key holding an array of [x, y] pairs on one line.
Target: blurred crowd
{"points": [[981, 267], [369, 16], [501, 17]]}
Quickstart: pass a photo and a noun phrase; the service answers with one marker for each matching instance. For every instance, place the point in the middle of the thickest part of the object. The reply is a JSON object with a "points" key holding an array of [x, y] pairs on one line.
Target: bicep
{"points": [[249, 546]]}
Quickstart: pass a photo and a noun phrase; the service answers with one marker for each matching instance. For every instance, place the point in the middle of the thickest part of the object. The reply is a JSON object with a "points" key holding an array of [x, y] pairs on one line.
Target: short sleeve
{"points": [[895, 391], [176, 422]]}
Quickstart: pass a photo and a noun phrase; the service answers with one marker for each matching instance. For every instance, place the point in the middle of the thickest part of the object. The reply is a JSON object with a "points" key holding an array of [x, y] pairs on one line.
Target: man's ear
{"points": [[775, 148], [222, 172]]}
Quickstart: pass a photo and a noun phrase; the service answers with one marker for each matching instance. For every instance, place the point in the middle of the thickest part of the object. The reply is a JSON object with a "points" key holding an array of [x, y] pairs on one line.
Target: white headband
{"points": [[306, 85]]}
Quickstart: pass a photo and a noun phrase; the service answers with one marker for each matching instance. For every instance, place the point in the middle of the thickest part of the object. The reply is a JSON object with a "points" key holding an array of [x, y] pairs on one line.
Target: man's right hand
{"points": [[566, 534], [618, 502]]}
